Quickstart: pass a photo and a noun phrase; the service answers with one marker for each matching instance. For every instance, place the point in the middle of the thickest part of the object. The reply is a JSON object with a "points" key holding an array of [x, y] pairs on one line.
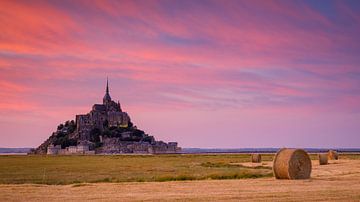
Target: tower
{"points": [[107, 97]]}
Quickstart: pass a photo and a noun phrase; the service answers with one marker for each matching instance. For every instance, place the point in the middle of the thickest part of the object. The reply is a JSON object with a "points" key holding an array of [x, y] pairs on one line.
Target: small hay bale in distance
{"points": [[292, 164], [333, 155], [256, 158], [323, 159]]}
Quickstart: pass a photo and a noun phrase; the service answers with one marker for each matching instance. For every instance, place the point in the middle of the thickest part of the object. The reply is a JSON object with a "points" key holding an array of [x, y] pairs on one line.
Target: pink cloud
{"points": [[164, 56]]}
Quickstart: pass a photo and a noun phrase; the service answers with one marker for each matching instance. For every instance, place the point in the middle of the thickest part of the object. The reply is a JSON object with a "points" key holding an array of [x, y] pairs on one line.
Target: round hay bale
{"points": [[256, 158], [333, 155], [323, 159], [292, 164]]}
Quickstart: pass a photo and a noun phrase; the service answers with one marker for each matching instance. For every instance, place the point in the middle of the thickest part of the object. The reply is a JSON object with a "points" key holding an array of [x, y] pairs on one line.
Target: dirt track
{"points": [[338, 181]]}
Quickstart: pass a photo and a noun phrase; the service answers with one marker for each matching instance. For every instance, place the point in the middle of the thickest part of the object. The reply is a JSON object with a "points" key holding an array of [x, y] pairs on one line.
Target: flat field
{"points": [[126, 168], [337, 181]]}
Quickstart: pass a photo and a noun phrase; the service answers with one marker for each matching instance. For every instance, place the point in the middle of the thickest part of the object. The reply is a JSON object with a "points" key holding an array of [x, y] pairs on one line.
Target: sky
{"points": [[207, 74]]}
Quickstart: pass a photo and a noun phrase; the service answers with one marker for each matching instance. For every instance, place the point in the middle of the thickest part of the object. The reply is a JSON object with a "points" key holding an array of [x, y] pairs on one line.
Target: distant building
{"points": [[108, 114], [82, 148], [100, 120]]}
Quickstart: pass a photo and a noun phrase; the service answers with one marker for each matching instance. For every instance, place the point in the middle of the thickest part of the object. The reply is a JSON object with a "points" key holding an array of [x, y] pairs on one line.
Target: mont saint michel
{"points": [[106, 129]]}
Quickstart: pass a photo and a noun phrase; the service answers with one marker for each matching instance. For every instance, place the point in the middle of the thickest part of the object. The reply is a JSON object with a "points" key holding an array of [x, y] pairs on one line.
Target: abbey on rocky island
{"points": [[106, 129]]}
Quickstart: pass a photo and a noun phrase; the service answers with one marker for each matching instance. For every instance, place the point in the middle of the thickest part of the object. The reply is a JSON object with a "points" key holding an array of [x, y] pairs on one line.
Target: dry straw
{"points": [[292, 164], [323, 159], [256, 158], [333, 155]]}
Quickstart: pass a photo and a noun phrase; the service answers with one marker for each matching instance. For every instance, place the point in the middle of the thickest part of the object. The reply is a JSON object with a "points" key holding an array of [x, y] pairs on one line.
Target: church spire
{"points": [[107, 97], [107, 85]]}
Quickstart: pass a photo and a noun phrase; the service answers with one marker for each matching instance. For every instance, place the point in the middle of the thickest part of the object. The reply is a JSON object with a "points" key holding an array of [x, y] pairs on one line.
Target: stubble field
{"points": [[151, 178]]}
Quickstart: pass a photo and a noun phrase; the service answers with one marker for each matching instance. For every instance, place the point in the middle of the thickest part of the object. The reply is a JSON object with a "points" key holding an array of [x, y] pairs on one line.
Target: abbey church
{"points": [[108, 114]]}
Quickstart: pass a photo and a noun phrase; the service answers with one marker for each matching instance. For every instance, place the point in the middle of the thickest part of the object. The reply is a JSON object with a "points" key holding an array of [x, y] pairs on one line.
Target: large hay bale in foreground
{"points": [[292, 164], [256, 158], [323, 159], [333, 155]]}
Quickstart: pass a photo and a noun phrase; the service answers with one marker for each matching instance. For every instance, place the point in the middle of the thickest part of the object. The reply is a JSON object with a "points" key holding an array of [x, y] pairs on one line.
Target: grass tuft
{"points": [[80, 185]]}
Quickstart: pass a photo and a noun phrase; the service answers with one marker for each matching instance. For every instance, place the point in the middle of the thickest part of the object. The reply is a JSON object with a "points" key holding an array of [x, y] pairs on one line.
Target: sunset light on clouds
{"points": [[220, 74]]}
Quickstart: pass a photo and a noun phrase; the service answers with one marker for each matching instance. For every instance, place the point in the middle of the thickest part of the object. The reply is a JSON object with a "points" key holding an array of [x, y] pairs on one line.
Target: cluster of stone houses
{"points": [[79, 149], [115, 146]]}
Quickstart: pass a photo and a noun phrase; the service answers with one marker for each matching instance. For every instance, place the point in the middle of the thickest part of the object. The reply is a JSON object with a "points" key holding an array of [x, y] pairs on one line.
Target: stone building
{"points": [[82, 148], [108, 114], [114, 146]]}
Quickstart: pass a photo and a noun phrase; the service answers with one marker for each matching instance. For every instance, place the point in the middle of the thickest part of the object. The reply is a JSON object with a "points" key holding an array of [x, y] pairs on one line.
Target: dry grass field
{"points": [[337, 181], [56, 170]]}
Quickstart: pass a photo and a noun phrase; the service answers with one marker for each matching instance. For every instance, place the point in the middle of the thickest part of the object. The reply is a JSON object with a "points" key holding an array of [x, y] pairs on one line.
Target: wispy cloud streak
{"points": [[179, 55]]}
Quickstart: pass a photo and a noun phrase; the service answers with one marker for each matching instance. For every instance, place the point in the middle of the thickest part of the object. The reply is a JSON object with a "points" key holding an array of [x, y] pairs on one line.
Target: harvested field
{"points": [[337, 181], [56, 170]]}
